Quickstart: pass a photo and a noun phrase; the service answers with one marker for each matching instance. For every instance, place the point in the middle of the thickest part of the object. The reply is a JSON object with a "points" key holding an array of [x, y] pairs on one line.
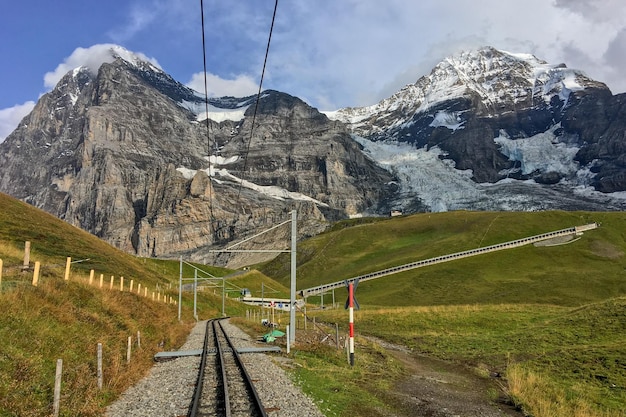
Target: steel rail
{"points": [[195, 402], [220, 354], [248, 380], [197, 397]]}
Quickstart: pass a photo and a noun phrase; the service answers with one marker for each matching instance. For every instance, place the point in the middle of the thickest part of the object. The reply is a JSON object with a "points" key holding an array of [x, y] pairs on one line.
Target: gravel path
{"points": [[168, 388]]}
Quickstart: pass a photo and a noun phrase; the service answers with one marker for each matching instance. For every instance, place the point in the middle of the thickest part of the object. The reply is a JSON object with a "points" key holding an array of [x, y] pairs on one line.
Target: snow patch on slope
{"points": [[215, 169], [216, 114], [452, 120]]}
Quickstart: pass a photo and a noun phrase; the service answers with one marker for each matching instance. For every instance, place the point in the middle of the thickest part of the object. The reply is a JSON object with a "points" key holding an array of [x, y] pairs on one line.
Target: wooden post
{"points": [[132, 283], [36, 274], [91, 274], [26, 255], [99, 365], [138, 339], [57, 387], [128, 349], [121, 283], [68, 263], [111, 286], [139, 289], [101, 280], [145, 291]]}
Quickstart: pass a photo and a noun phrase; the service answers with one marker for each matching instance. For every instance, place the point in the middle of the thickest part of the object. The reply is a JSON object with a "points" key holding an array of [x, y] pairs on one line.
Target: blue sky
{"points": [[330, 53]]}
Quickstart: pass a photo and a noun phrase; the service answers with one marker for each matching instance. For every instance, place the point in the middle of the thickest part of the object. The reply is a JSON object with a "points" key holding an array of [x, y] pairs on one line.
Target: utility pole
{"points": [[292, 310]]}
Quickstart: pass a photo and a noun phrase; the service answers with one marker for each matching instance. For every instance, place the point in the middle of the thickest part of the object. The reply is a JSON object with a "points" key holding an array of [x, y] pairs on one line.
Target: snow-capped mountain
{"points": [[489, 129], [126, 152]]}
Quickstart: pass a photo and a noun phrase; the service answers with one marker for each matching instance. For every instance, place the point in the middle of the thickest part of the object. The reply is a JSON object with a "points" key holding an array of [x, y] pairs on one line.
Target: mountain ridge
{"points": [[129, 155], [129, 163], [488, 113]]}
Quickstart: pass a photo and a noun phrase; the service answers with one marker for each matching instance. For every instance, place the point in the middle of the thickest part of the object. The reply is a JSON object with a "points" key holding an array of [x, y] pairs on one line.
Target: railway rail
{"points": [[223, 387]]}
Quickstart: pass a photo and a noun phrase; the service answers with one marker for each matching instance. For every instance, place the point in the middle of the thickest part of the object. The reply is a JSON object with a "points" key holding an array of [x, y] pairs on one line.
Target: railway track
{"points": [[223, 387]]}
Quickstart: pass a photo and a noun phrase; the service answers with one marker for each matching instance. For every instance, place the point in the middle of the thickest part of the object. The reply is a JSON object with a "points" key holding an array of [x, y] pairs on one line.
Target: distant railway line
{"points": [[572, 231]]}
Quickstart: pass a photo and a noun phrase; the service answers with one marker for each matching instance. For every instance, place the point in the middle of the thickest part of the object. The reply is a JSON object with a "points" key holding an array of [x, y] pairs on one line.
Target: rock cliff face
{"points": [[120, 154], [501, 116], [129, 154]]}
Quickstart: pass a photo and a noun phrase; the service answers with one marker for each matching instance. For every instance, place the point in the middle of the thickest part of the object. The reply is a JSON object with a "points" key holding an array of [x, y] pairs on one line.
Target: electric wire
{"points": [[256, 105], [208, 128]]}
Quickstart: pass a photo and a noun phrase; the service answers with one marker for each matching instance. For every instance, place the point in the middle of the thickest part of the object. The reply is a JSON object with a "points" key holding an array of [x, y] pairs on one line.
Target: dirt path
{"points": [[439, 389]]}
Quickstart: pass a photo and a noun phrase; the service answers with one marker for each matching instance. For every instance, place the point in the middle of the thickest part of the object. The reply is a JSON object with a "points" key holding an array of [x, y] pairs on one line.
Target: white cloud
{"points": [[615, 58], [91, 58], [240, 86], [356, 52], [12, 116]]}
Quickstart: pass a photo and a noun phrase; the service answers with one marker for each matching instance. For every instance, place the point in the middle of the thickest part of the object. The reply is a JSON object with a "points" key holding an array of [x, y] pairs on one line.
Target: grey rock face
{"points": [[107, 152], [123, 154], [471, 100]]}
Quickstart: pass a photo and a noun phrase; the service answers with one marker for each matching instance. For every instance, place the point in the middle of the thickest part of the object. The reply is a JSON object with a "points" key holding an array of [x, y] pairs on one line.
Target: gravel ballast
{"points": [[167, 390]]}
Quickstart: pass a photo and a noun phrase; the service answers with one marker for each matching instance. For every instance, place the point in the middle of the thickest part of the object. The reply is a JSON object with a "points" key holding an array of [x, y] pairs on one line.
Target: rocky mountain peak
{"points": [[490, 116], [488, 77], [121, 154]]}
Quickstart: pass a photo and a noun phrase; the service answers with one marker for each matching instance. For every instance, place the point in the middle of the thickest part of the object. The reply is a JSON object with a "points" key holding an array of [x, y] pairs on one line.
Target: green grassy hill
{"points": [[590, 269], [551, 320], [66, 320]]}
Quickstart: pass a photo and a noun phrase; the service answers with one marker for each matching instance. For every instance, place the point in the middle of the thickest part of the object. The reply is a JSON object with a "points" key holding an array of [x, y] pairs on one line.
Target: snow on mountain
{"points": [[421, 172], [217, 114], [541, 152], [451, 120], [441, 187], [495, 76], [471, 95], [215, 168]]}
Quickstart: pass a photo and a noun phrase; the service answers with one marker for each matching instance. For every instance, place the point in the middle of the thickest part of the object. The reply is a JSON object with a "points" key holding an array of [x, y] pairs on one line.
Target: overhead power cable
{"points": [[256, 105], [206, 109]]}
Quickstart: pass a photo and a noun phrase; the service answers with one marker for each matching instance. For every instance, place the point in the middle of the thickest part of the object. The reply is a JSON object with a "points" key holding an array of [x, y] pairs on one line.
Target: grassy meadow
{"points": [[550, 321], [66, 320]]}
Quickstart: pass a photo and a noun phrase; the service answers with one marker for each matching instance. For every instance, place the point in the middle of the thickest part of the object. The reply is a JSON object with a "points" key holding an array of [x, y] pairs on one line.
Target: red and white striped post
{"points": [[351, 309]]}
